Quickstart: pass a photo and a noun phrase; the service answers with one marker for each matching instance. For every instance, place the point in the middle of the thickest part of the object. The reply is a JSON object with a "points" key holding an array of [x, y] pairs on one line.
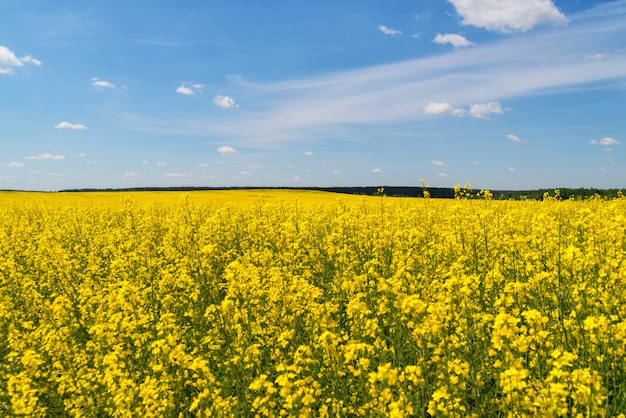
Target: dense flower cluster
{"points": [[342, 306]]}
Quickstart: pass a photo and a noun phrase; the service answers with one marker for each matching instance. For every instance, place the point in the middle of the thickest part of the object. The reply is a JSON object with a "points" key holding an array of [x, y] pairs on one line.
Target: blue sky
{"points": [[502, 94]]}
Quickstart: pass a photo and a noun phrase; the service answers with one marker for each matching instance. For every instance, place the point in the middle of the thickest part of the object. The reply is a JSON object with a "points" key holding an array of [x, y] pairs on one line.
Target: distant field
{"points": [[199, 197], [305, 303]]}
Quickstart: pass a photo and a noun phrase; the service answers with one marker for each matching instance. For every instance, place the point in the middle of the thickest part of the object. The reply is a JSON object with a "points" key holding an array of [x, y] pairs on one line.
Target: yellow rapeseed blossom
{"points": [[285, 303]]}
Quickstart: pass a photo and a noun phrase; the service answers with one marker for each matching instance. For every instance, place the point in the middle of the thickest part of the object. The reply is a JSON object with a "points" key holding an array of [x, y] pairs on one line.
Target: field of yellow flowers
{"points": [[283, 303]]}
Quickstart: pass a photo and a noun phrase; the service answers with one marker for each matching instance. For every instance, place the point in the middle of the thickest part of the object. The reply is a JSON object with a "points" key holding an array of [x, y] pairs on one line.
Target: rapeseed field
{"points": [[283, 303]]}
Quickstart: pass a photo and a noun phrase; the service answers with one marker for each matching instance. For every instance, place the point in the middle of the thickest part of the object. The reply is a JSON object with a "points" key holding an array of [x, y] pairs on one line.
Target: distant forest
{"points": [[399, 191]]}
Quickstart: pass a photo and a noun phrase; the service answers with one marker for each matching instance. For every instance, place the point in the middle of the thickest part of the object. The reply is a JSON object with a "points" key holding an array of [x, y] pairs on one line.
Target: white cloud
{"points": [[337, 172], [101, 84], [8, 60], [438, 163], [145, 162], [224, 102], [189, 89], [130, 175], [14, 164], [479, 110], [507, 16], [245, 173], [512, 169], [388, 31], [514, 138], [161, 164], [81, 155], [377, 170], [67, 125], [255, 166], [308, 153], [482, 110], [184, 90], [45, 156], [605, 141], [175, 175], [91, 162], [453, 39], [443, 174], [225, 149], [437, 108], [202, 165]]}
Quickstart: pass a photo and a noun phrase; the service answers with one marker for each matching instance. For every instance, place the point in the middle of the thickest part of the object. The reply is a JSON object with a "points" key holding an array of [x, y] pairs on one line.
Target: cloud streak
{"points": [[608, 141], [45, 156], [388, 31], [477, 81], [68, 125], [101, 84]]}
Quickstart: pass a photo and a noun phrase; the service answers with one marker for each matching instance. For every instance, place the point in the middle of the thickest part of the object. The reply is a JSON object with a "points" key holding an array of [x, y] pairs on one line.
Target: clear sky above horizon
{"points": [[502, 94]]}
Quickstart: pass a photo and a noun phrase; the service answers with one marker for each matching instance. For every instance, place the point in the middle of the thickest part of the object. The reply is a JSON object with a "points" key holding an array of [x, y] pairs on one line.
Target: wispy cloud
{"points": [[14, 164], [101, 84], [67, 125], [608, 141], [130, 175], [377, 170], [438, 163], [9, 61], [189, 89], [514, 138], [452, 39], [388, 31], [486, 75], [508, 16], [176, 175], [45, 156]]}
